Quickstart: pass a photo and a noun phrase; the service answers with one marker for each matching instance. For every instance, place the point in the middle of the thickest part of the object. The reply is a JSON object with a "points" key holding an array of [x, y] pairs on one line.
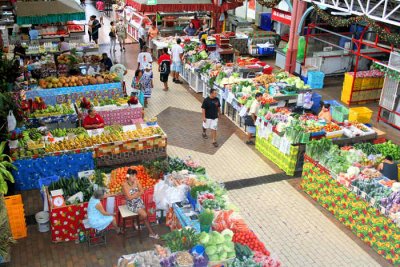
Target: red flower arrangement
{"points": [[85, 104], [133, 100]]}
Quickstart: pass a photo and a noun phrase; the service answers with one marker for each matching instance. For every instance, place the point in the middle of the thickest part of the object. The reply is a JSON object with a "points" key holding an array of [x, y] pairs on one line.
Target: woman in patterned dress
{"points": [[133, 192]]}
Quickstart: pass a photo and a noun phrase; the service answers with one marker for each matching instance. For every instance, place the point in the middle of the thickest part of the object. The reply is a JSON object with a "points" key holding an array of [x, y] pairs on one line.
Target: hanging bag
{"points": [[11, 121]]}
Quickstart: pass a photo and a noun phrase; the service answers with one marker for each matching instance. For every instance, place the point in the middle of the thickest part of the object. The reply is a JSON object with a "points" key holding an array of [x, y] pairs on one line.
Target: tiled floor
{"points": [[293, 228]]}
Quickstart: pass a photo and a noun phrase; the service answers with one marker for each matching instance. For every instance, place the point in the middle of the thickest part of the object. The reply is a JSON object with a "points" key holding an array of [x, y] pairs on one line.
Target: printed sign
{"points": [[281, 16]]}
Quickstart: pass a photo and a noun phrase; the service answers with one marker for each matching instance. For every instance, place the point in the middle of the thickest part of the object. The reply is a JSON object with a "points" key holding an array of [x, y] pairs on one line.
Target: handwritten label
{"points": [[363, 194]]}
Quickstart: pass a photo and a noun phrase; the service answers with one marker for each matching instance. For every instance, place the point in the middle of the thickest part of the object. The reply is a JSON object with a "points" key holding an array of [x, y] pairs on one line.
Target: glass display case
{"points": [[135, 19]]}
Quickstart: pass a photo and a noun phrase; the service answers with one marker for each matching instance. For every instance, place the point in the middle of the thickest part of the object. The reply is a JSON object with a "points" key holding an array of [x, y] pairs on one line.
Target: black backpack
{"points": [[165, 67]]}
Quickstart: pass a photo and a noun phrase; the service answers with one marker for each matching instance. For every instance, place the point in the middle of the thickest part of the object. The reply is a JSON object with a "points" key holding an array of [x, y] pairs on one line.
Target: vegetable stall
{"points": [[346, 183], [206, 228]]}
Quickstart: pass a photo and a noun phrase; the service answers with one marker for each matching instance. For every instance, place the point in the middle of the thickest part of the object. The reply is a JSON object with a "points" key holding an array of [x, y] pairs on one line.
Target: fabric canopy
{"points": [[181, 5], [41, 12]]}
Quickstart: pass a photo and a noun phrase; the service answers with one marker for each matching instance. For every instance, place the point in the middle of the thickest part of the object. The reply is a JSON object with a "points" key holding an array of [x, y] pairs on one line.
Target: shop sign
{"points": [[281, 16], [151, 2]]}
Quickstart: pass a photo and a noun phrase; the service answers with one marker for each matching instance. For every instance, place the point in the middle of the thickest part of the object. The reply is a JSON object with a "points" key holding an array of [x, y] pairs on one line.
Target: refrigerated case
{"points": [[134, 20]]}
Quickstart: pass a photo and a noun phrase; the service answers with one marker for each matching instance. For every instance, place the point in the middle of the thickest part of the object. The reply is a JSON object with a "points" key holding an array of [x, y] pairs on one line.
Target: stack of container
{"points": [[367, 86], [16, 216]]}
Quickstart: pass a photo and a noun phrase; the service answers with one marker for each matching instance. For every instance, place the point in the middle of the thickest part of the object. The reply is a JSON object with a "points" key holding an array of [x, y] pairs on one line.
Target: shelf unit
{"points": [[389, 104]]}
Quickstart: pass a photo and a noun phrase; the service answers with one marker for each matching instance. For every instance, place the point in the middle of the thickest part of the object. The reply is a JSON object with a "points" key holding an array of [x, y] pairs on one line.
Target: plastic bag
{"points": [[160, 195], [12, 122], [176, 194], [301, 47]]}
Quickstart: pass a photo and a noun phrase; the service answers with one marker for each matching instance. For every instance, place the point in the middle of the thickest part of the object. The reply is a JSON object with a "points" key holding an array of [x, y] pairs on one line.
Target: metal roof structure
{"points": [[387, 11]]}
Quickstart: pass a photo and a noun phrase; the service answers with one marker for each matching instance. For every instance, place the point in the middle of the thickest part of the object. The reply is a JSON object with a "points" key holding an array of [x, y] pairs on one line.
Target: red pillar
{"points": [[299, 7]]}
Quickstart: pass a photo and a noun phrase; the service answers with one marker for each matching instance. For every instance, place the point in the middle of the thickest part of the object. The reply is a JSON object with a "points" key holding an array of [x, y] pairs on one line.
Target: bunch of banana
{"points": [[113, 129], [34, 134], [59, 132]]}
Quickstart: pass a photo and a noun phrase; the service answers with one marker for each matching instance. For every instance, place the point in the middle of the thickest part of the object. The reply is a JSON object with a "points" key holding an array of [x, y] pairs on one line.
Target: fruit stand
{"points": [[72, 94], [70, 151]]}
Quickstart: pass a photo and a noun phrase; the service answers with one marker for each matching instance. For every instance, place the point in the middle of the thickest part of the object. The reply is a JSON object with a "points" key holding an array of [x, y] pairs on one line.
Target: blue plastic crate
{"points": [[333, 103], [315, 85], [265, 21], [191, 200], [316, 99], [266, 50], [315, 76]]}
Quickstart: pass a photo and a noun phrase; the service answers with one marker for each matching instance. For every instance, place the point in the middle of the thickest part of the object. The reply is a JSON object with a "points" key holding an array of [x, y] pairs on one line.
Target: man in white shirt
{"points": [[251, 118], [142, 36], [144, 58], [177, 57]]}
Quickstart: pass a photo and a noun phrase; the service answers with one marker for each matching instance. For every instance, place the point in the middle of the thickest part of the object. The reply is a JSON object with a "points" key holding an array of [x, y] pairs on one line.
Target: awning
{"points": [[49, 12], [181, 5]]}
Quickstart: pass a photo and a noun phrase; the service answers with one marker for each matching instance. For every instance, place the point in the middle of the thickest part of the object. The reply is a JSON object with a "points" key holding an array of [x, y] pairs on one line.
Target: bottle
{"points": [[82, 237]]}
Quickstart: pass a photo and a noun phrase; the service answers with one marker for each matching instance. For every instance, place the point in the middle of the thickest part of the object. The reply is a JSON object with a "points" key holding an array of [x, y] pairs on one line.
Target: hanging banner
{"points": [[281, 16], [151, 2]]}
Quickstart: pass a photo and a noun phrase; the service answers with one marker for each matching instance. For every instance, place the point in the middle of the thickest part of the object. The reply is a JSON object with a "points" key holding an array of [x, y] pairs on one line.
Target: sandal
{"points": [[205, 136], [215, 144], [155, 236]]}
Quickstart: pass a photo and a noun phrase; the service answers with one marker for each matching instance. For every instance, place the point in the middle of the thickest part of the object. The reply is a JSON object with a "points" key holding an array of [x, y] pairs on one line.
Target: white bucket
{"points": [[42, 219]]}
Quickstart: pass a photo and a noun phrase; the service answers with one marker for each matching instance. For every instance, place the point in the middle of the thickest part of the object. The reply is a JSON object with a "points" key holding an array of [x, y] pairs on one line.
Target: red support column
{"points": [[299, 7]]}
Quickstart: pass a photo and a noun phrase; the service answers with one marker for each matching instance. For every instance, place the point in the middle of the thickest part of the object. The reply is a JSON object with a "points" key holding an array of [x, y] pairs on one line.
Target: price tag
{"points": [[276, 140], [269, 128], [372, 201], [355, 189], [243, 111], [230, 97], [284, 146], [383, 210], [363, 195]]}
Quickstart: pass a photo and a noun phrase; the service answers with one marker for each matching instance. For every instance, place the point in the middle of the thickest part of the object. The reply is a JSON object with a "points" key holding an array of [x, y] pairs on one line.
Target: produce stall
{"points": [[40, 153], [345, 182], [210, 232], [66, 217], [60, 95]]}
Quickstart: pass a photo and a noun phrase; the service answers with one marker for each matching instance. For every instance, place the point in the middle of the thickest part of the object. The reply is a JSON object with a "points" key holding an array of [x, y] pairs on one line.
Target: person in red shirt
{"points": [[196, 22], [100, 8], [164, 67], [93, 120]]}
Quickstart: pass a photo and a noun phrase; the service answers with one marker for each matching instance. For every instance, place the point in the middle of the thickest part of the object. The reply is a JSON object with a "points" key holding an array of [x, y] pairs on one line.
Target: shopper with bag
{"points": [[95, 26], [211, 109], [251, 118], [164, 67], [121, 33], [113, 37]]}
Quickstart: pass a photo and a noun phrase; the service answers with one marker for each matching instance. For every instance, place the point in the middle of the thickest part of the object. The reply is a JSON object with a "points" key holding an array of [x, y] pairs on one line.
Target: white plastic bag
{"points": [[12, 122], [160, 195]]}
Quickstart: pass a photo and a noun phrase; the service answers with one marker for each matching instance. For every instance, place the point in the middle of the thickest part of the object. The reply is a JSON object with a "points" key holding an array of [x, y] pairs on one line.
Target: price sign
{"points": [[243, 111], [372, 201], [269, 128], [276, 140], [284, 146], [230, 97], [363, 195], [355, 189], [383, 210]]}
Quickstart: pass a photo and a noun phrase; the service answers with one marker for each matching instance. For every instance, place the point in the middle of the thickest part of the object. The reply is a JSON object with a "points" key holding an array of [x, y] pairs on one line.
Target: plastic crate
{"points": [[13, 200], [360, 114], [333, 103], [265, 50], [315, 85], [340, 113], [315, 76]]}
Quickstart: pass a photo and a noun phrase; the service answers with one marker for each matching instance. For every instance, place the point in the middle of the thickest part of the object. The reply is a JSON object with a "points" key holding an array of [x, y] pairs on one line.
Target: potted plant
{"points": [[205, 219], [5, 233]]}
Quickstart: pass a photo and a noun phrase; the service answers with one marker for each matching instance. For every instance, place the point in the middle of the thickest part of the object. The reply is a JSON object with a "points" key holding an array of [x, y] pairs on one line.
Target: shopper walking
{"points": [[113, 37], [89, 25], [211, 109], [95, 28], [250, 119], [136, 81], [146, 82], [164, 67], [152, 34], [121, 34], [177, 59], [144, 57], [142, 36]]}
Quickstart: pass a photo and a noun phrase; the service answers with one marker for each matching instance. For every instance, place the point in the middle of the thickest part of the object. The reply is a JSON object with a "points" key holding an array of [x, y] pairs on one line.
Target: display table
{"points": [[274, 147], [30, 170], [363, 218], [123, 115], [72, 94]]}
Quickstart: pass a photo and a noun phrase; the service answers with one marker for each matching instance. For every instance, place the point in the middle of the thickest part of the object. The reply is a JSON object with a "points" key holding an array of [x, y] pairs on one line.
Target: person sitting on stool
{"points": [[98, 218]]}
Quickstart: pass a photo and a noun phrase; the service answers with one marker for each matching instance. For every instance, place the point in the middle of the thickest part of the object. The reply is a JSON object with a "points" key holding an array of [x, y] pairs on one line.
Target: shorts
{"points": [[211, 124], [142, 43], [164, 77], [176, 67], [251, 130]]}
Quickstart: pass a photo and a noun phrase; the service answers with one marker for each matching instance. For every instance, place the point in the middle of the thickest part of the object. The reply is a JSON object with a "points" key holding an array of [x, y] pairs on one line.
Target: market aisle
{"points": [[296, 231]]}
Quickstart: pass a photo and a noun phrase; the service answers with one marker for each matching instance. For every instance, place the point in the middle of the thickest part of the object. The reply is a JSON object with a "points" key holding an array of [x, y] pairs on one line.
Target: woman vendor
{"points": [[389, 168], [325, 113], [93, 120], [133, 192], [98, 218]]}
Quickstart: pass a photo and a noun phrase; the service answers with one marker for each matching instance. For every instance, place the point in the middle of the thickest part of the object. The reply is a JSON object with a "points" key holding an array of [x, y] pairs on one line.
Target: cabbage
{"points": [[231, 255], [229, 246], [223, 256], [353, 171], [227, 232], [213, 257], [204, 238], [218, 238], [211, 250]]}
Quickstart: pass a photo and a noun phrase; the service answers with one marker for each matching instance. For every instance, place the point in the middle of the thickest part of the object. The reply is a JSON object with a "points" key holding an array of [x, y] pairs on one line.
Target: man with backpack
{"points": [[164, 67], [95, 26]]}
